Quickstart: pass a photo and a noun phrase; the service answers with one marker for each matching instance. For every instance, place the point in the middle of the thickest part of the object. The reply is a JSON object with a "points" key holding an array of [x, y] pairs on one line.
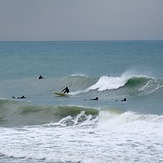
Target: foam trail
{"points": [[78, 92], [81, 75], [151, 86]]}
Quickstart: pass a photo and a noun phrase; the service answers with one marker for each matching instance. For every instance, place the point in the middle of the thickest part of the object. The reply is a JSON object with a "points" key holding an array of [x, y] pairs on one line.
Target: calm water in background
{"points": [[46, 128]]}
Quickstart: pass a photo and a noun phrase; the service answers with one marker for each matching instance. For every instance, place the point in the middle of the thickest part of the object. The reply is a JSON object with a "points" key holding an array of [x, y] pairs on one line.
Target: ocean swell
{"points": [[14, 113], [138, 83]]}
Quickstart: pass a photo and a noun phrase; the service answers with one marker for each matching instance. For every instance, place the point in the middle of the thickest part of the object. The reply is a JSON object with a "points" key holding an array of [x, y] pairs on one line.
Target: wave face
{"points": [[131, 86], [109, 83], [27, 114], [138, 83], [15, 113]]}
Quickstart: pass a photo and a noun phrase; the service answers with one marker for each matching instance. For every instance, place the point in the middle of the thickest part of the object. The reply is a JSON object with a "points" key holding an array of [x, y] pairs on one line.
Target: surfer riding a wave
{"points": [[65, 90]]}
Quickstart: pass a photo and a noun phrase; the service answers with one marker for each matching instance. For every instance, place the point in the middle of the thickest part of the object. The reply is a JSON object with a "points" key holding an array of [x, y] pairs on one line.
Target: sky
{"points": [[61, 20]]}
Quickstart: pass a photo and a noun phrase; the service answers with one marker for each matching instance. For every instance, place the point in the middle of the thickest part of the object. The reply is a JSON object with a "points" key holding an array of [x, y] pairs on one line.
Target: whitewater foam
{"points": [[126, 137], [150, 87], [108, 83], [130, 121]]}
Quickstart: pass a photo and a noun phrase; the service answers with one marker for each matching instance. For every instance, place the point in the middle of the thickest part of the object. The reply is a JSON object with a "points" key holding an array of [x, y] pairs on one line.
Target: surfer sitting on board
{"points": [[65, 90]]}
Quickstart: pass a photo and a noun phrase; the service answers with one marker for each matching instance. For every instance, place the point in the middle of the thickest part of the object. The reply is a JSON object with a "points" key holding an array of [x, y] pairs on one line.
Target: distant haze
{"points": [[81, 20]]}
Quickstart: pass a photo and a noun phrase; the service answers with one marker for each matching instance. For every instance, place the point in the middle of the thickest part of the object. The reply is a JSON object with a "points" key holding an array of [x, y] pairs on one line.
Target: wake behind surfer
{"points": [[65, 90]]}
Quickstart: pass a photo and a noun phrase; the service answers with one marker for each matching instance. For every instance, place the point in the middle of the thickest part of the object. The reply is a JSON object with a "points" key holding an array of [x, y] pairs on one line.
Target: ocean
{"points": [[46, 128]]}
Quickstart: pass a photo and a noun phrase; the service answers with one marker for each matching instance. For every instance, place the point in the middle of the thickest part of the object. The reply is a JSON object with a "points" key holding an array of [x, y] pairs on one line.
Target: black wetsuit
{"points": [[66, 90]]}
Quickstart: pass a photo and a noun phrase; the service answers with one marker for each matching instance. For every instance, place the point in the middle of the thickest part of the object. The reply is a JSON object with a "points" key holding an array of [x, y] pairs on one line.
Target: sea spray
{"points": [[108, 83]]}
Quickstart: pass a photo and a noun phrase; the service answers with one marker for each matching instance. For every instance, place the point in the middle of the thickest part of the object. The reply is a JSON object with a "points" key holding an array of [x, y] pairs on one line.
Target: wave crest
{"points": [[108, 83], [21, 113], [112, 83]]}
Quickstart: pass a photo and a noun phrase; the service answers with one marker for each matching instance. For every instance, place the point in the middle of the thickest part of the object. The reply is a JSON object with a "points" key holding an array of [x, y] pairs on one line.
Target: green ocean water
{"points": [[44, 127]]}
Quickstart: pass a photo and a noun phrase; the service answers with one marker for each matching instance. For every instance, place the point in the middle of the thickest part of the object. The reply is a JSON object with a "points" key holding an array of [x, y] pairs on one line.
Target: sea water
{"points": [[44, 127]]}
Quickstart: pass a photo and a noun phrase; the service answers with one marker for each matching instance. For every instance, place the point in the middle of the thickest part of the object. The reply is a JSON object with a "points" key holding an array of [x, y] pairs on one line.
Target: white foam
{"points": [[108, 83], [82, 75], [127, 137], [130, 122], [150, 87]]}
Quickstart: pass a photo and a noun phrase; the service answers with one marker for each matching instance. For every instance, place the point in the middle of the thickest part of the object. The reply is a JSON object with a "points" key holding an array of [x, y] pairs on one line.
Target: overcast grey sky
{"points": [[81, 20]]}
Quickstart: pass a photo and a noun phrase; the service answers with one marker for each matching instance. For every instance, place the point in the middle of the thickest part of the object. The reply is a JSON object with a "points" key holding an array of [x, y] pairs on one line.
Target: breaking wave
{"points": [[108, 83], [15, 113], [134, 82]]}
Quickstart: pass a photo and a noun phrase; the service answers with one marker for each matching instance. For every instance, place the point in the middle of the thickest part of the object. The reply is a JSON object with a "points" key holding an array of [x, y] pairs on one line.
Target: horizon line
{"points": [[80, 40]]}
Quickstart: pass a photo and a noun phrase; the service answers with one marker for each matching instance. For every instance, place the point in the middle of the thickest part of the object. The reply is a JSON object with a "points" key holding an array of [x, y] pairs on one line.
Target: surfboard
{"points": [[60, 93]]}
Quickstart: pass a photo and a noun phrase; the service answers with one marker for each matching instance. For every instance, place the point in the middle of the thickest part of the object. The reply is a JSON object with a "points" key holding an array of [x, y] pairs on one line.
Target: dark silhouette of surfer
{"points": [[40, 77], [65, 90], [124, 99], [19, 97], [94, 98]]}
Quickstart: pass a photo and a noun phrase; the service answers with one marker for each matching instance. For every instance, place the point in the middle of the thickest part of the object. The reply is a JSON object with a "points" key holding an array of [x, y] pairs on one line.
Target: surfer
{"points": [[40, 77], [124, 99], [19, 97], [65, 90], [94, 98]]}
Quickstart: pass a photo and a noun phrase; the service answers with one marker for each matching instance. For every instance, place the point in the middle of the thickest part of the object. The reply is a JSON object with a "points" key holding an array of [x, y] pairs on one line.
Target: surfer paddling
{"points": [[22, 97], [93, 99], [65, 90], [124, 99]]}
